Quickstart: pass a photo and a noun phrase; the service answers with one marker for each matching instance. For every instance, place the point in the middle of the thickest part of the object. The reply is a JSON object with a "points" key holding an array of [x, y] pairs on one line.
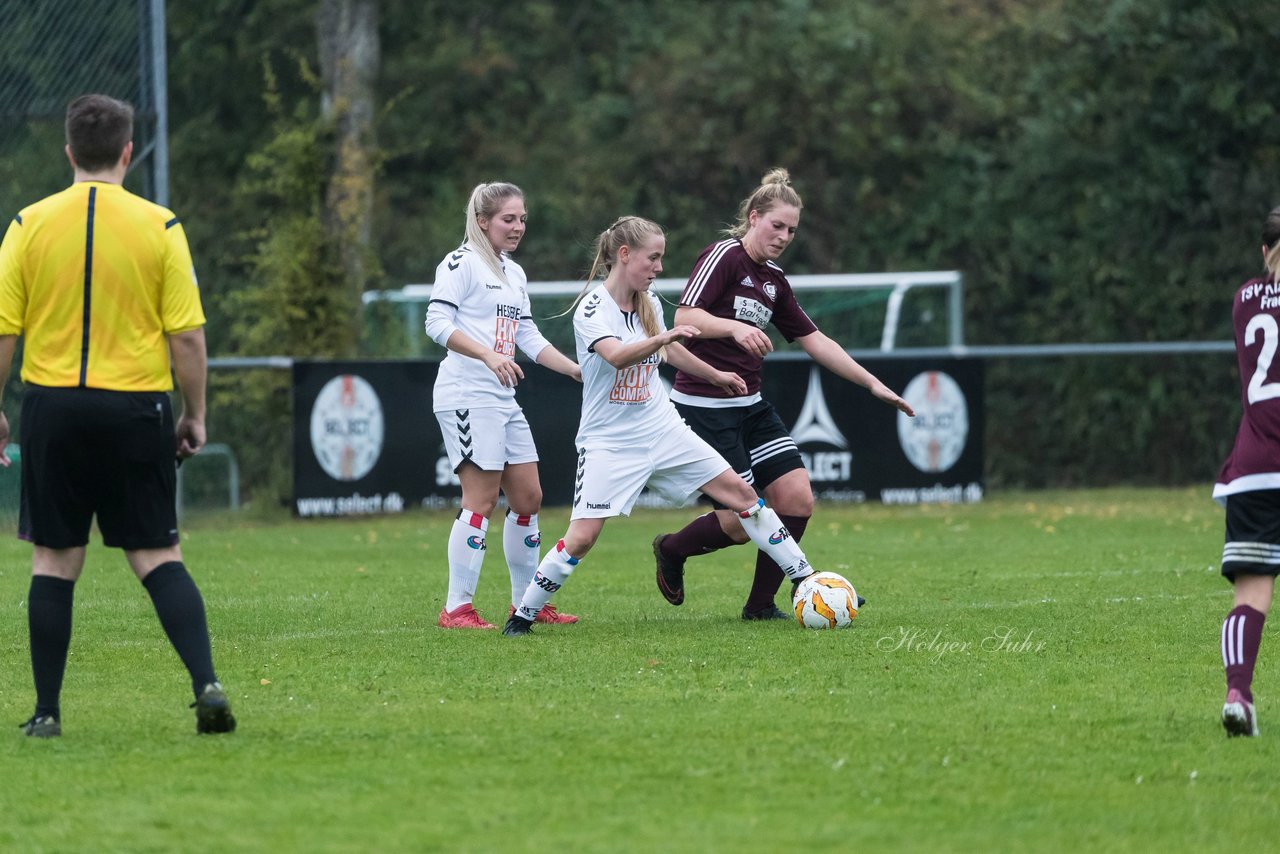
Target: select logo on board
{"points": [[816, 426], [934, 440], [347, 427]]}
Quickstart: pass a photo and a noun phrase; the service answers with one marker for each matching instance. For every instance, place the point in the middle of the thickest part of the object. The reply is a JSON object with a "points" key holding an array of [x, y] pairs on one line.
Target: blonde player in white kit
{"points": [[479, 311], [630, 434]]}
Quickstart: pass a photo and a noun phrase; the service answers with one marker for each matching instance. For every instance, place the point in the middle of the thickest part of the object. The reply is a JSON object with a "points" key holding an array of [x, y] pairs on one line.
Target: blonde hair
{"points": [[775, 189], [1271, 240], [485, 201], [630, 231]]}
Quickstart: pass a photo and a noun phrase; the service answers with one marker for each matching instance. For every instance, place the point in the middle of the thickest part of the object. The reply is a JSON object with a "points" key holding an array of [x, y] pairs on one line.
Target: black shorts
{"points": [[752, 439], [1253, 534], [89, 451]]}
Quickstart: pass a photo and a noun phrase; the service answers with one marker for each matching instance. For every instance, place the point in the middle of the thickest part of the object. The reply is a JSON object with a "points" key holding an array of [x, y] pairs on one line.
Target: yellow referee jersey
{"points": [[94, 277]]}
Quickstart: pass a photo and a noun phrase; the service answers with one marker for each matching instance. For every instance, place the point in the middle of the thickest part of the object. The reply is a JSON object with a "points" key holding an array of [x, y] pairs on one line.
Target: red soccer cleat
{"points": [[550, 615], [462, 617]]}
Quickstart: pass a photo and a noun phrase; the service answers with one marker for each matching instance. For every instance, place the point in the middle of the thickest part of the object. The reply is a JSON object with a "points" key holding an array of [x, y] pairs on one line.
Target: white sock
{"points": [[466, 556], [772, 537], [557, 566], [521, 543]]}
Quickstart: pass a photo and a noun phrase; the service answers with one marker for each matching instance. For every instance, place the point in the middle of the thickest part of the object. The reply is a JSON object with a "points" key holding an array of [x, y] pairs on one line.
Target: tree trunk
{"points": [[347, 33]]}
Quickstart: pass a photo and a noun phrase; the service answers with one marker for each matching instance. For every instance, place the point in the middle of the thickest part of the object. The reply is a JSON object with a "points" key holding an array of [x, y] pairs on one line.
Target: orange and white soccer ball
{"points": [[825, 600]]}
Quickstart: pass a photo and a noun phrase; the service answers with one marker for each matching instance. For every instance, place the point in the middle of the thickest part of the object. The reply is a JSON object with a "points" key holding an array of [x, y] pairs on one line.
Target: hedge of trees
{"points": [[1099, 171]]}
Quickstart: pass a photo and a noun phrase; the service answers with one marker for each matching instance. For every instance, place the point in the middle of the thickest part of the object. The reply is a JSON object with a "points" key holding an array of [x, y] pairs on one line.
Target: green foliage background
{"points": [[1098, 170]]}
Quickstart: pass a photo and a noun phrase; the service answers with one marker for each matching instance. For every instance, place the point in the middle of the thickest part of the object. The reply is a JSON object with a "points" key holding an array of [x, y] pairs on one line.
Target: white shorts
{"points": [[675, 465], [491, 438]]}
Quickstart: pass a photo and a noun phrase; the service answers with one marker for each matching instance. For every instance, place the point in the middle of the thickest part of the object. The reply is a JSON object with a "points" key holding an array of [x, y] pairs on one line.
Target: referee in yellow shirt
{"points": [[100, 283]]}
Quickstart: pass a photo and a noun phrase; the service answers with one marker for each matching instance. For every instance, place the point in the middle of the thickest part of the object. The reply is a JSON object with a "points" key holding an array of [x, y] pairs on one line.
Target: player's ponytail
{"points": [[775, 189], [631, 231], [485, 202], [1271, 240]]}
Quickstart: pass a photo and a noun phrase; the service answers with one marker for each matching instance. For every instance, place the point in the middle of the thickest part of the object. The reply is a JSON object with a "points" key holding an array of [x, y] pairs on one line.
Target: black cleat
{"points": [[42, 726], [213, 711], [669, 574], [861, 601], [796, 582], [768, 612], [517, 626]]}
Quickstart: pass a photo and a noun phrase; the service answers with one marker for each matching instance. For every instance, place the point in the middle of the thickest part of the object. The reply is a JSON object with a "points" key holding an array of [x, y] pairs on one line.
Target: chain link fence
{"points": [[50, 52], [53, 50]]}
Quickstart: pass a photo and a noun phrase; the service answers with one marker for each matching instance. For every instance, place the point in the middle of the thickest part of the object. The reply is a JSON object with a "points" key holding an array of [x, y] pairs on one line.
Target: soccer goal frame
{"points": [[899, 284]]}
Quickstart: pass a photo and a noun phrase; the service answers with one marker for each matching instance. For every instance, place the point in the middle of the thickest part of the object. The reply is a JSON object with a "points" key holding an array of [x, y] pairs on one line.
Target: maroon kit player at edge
{"points": [[1249, 483], [736, 290]]}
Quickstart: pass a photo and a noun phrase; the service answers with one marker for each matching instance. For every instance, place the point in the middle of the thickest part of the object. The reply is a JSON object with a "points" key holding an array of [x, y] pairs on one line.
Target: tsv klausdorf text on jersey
{"points": [[1254, 461]]}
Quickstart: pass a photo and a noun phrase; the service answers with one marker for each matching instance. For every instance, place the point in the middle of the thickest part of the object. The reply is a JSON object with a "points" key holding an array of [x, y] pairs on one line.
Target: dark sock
{"points": [[1241, 637], [181, 611], [49, 623], [701, 536], [769, 575]]}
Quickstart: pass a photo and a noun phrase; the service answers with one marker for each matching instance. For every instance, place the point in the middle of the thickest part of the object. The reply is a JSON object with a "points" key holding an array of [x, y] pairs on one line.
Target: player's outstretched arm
{"points": [[833, 357], [746, 336], [621, 355], [682, 360]]}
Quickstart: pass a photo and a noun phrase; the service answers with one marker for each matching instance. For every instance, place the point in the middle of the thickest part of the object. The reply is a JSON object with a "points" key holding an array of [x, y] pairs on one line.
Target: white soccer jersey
{"points": [[470, 297], [620, 408]]}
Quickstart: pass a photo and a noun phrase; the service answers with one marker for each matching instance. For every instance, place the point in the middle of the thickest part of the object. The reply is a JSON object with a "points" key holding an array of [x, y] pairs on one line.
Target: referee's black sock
{"points": [[181, 611], [49, 623]]}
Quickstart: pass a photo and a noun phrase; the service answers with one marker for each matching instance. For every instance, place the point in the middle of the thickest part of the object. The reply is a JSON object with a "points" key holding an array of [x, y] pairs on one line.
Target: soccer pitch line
{"points": [[1078, 600], [1106, 573], [315, 635]]}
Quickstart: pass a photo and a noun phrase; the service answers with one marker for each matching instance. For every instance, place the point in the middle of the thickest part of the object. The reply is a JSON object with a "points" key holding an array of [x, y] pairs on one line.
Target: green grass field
{"points": [[1038, 672]]}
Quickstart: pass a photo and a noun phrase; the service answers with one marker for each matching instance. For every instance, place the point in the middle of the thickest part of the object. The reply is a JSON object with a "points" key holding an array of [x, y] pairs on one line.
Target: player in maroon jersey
{"points": [[1249, 483], [735, 291]]}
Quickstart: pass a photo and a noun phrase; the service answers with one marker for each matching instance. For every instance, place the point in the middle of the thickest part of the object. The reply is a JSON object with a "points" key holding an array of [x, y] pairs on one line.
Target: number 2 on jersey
{"points": [[1259, 388]]}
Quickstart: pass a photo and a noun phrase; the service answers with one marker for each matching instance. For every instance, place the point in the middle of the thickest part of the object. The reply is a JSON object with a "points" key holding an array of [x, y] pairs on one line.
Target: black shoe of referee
{"points": [[213, 711]]}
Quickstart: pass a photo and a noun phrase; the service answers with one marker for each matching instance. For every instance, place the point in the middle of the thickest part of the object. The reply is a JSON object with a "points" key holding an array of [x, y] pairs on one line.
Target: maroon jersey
{"points": [[1254, 461], [726, 283]]}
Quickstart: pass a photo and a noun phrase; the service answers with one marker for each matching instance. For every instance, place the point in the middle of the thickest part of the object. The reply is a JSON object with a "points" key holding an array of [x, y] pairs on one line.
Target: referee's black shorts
{"points": [[752, 439], [1253, 534], [90, 451]]}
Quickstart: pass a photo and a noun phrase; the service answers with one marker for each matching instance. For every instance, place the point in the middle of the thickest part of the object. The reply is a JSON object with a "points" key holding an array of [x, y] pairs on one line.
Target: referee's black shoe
{"points": [[213, 711], [669, 574], [41, 726]]}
